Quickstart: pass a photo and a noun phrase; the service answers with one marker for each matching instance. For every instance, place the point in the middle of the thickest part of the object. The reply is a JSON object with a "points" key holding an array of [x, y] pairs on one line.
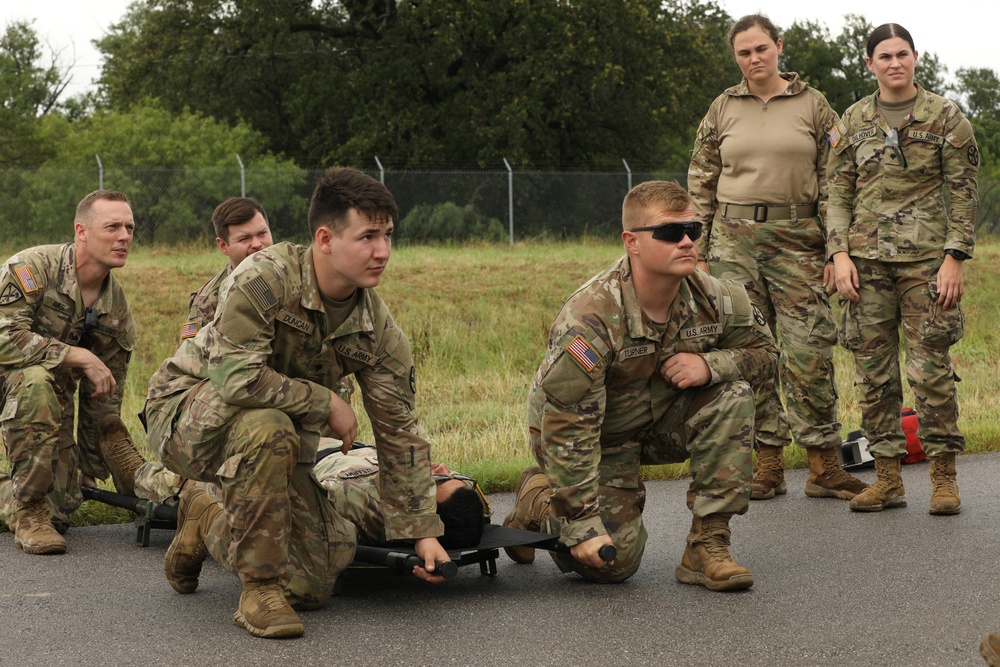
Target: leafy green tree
{"points": [[29, 89], [544, 83], [837, 68], [174, 167]]}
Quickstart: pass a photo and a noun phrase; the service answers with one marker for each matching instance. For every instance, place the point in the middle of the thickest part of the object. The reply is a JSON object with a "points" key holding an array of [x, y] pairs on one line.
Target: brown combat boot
{"points": [[531, 507], [944, 486], [265, 612], [886, 492], [195, 513], [706, 560], [989, 648], [34, 533], [119, 453], [769, 480], [827, 479]]}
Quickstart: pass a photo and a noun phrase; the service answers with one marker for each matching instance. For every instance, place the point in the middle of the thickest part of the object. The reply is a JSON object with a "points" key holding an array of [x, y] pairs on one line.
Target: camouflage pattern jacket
{"points": [[883, 210], [268, 348], [600, 384], [203, 304], [42, 314]]}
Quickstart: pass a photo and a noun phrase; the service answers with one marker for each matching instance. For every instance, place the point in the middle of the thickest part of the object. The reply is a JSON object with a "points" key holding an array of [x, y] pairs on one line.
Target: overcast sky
{"points": [[961, 32]]}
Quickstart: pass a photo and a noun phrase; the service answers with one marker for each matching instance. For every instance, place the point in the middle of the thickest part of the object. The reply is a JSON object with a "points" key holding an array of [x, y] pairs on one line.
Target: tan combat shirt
{"points": [[747, 152]]}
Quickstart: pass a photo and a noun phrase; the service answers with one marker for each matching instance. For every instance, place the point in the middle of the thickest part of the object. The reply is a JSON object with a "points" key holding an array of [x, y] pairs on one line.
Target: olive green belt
{"points": [[765, 212]]}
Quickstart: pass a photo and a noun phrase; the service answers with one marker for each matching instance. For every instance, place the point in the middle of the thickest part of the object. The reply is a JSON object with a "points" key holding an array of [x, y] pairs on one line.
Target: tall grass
{"points": [[477, 318]]}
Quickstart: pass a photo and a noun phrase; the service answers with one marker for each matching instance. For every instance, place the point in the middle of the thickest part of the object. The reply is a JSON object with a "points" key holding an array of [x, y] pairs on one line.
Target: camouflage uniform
{"points": [[42, 314], [352, 483], [896, 222], [779, 261], [204, 302], [598, 408], [244, 403]]}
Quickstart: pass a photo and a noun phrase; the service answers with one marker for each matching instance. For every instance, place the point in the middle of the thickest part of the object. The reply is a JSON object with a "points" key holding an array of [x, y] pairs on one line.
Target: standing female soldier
{"points": [[898, 243], [758, 173]]}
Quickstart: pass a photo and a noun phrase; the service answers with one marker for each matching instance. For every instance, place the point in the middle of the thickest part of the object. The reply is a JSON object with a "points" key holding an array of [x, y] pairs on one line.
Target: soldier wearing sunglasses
{"points": [[650, 362], [65, 325]]}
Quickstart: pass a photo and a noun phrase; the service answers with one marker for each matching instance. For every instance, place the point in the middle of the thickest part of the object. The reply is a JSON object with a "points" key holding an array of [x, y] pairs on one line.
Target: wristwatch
{"points": [[957, 254]]}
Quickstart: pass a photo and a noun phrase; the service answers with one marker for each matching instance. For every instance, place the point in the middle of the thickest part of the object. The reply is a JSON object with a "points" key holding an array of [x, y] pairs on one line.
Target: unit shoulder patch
{"points": [[10, 294]]}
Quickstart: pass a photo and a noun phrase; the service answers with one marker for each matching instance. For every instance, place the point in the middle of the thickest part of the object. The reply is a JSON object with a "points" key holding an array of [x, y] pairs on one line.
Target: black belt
{"points": [[765, 212]]}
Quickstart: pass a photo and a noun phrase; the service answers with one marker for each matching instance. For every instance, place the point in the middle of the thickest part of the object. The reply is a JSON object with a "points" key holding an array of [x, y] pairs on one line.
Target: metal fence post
{"points": [[381, 171], [629, 174], [100, 172], [510, 199], [243, 177]]}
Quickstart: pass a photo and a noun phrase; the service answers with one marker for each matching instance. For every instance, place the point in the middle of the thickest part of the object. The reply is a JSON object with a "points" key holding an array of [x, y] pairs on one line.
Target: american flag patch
{"points": [[583, 353], [189, 329], [27, 280], [260, 291]]}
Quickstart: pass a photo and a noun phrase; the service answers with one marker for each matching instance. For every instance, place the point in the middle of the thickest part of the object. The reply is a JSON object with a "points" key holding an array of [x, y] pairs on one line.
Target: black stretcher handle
{"points": [[446, 568], [607, 553]]}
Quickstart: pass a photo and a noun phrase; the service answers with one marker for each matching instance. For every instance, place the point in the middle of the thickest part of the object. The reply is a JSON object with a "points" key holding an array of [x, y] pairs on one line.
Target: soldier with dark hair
{"points": [[242, 405], [64, 325], [904, 198]]}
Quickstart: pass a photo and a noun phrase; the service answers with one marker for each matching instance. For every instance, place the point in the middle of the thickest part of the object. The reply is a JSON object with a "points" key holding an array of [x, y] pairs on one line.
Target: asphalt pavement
{"points": [[833, 587]]}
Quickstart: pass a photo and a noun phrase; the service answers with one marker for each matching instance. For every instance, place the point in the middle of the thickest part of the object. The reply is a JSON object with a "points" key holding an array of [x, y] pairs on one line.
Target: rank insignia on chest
{"points": [[583, 353], [189, 330], [28, 283]]}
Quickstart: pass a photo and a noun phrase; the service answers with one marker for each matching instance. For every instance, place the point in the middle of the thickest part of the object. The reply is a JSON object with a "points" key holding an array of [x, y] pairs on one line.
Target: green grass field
{"points": [[477, 318]]}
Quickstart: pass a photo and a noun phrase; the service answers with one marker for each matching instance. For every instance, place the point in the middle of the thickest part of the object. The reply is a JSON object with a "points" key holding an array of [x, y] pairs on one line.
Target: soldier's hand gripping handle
{"points": [[342, 421]]}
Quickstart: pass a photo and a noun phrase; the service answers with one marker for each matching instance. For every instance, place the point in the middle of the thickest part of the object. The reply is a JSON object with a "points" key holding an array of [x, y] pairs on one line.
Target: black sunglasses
{"points": [[673, 232]]}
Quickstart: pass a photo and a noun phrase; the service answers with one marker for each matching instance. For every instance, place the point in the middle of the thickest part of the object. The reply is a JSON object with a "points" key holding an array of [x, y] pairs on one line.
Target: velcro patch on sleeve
{"points": [[260, 293], [584, 354], [189, 330], [10, 294], [28, 283]]}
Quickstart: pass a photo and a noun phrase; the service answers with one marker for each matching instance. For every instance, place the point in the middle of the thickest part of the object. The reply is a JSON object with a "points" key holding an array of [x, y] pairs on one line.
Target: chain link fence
{"points": [[175, 205]]}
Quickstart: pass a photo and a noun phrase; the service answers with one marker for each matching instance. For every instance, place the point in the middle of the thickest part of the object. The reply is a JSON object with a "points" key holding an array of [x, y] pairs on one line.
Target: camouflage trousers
{"points": [[278, 523], [153, 481], [713, 427], [37, 427], [780, 262], [903, 293]]}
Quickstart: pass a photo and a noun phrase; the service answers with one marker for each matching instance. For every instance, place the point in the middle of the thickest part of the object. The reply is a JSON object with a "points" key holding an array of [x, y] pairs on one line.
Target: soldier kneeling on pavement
{"points": [[65, 325], [650, 362]]}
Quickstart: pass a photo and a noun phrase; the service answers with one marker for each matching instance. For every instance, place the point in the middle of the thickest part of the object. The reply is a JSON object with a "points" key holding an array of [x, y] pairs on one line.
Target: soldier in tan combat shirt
{"points": [[64, 324], [244, 403]]}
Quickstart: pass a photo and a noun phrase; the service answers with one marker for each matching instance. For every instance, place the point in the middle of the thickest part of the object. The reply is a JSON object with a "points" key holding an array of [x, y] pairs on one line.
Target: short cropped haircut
{"points": [[462, 516], [339, 190], [887, 31], [751, 20], [666, 194], [87, 203], [235, 211]]}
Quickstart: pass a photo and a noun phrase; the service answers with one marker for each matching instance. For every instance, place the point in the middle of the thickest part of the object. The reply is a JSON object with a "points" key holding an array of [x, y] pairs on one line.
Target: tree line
{"points": [[546, 84]]}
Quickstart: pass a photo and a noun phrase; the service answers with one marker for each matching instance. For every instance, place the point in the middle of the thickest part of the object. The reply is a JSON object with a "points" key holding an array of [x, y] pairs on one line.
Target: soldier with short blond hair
{"points": [[65, 325], [649, 362]]}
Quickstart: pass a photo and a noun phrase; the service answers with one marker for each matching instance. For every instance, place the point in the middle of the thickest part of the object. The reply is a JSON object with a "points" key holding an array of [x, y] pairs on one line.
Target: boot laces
{"points": [[272, 598]]}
